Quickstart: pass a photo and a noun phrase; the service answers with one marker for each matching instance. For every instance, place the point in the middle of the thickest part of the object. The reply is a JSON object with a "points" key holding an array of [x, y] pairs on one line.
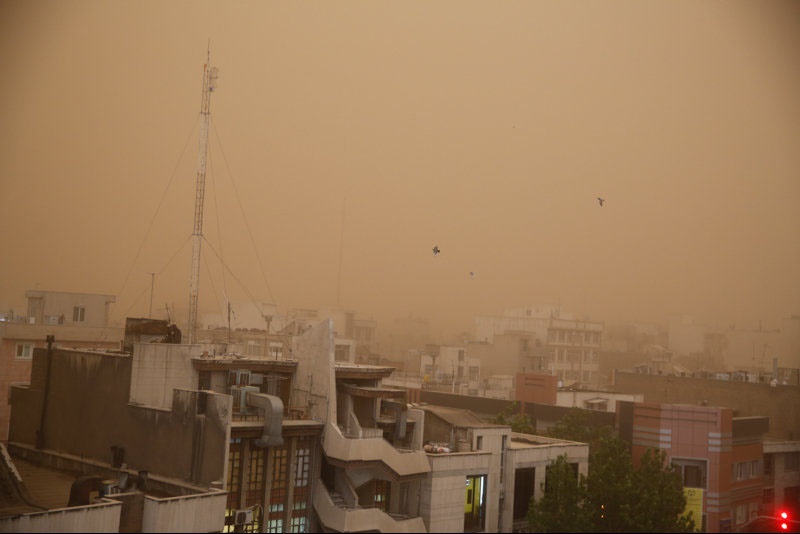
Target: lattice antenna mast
{"points": [[209, 85]]}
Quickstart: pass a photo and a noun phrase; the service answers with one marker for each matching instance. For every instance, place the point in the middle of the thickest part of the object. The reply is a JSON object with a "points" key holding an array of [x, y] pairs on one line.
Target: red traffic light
{"points": [[783, 517]]}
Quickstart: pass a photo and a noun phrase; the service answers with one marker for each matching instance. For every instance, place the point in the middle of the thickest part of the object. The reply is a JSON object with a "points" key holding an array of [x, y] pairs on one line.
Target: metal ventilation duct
{"points": [[273, 418]]}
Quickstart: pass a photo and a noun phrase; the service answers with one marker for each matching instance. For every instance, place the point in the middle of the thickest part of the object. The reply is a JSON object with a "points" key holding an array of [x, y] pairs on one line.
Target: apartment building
{"points": [[720, 457], [300, 443], [450, 368], [544, 339]]}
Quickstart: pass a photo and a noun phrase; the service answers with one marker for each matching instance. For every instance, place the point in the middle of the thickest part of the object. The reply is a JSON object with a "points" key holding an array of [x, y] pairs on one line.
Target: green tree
{"points": [[560, 509], [519, 422], [615, 496], [578, 426], [609, 489], [659, 499]]}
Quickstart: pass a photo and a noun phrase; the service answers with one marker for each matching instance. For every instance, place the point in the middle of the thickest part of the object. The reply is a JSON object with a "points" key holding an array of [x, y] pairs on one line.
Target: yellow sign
{"points": [[694, 504]]}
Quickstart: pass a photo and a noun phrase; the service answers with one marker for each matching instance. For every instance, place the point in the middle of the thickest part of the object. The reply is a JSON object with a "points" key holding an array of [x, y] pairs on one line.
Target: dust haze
{"points": [[348, 139]]}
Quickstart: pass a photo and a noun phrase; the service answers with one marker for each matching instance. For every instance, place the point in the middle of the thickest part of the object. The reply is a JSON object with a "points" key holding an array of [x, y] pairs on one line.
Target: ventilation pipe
{"points": [[273, 418]]}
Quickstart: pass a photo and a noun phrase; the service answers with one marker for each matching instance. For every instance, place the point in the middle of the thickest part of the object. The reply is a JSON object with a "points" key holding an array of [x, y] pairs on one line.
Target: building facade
{"points": [[720, 457], [73, 319]]}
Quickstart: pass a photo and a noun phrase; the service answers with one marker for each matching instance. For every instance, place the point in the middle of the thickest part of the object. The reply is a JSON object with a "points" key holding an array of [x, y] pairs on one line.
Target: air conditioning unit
{"points": [[242, 517]]}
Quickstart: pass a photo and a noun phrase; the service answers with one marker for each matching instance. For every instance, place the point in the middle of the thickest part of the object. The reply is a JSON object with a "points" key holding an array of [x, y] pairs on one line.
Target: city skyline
{"points": [[348, 140]]}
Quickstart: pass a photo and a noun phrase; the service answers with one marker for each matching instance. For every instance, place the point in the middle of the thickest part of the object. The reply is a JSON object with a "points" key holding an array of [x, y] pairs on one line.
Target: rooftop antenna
{"points": [[209, 85]]}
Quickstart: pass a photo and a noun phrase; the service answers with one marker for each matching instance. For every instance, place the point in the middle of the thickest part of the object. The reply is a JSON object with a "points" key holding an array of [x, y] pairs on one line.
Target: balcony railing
{"points": [[341, 518], [336, 445]]}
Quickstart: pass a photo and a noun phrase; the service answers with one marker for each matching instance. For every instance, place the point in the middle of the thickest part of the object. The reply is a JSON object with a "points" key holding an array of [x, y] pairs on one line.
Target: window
{"points": [[769, 496], [298, 524], [473, 373], [742, 470], [768, 465], [745, 470], [300, 515], [233, 485], [275, 349], [741, 514], [572, 375], [204, 380], [475, 504], [78, 314], [479, 443], [341, 353], [461, 355], [381, 496], [24, 351], [253, 348], [279, 492], [791, 461], [693, 472], [275, 521], [301, 473], [524, 484], [255, 482]]}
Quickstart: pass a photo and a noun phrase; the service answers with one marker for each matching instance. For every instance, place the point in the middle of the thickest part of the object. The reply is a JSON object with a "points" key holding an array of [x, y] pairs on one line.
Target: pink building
{"points": [[720, 457]]}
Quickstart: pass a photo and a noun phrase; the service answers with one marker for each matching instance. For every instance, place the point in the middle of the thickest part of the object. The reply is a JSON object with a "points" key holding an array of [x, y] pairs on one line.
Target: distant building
{"points": [[543, 339], [732, 347], [73, 319]]}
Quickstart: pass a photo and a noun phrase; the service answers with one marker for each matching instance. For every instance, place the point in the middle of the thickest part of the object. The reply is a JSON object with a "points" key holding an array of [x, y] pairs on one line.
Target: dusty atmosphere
{"points": [[348, 139]]}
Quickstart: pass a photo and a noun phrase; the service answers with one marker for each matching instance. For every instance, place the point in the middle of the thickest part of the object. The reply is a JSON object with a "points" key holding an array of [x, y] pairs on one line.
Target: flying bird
{"points": [[601, 200], [436, 250]]}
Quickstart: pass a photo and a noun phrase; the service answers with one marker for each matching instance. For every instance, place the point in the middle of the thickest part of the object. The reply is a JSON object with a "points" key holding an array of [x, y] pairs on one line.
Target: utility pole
{"points": [[209, 84], [152, 282]]}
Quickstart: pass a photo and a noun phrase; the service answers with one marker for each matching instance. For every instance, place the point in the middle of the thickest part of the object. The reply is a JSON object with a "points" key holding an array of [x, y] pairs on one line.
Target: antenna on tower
{"points": [[209, 85]]}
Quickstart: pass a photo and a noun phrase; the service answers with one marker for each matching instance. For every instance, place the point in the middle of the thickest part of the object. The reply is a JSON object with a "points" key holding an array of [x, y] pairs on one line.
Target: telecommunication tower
{"points": [[209, 85]]}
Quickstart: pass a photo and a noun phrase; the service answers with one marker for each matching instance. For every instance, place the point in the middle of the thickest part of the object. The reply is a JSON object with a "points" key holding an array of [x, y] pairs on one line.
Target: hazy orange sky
{"points": [[352, 137]]}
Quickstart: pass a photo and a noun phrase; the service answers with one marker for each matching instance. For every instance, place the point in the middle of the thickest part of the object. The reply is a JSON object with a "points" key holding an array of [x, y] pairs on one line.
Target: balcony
{"points": [[334, 514], [402, 462]]}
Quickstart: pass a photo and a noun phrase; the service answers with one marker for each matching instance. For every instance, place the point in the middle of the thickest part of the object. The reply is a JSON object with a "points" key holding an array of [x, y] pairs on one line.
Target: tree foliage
{"points": [[560, 509], [658, 487], [615, 496], [519, 422], [577, 426]]}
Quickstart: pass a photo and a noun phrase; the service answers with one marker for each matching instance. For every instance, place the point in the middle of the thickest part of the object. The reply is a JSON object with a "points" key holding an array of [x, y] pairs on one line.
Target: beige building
{"points": [[301, 442], [542, 339], [574, 347]]}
